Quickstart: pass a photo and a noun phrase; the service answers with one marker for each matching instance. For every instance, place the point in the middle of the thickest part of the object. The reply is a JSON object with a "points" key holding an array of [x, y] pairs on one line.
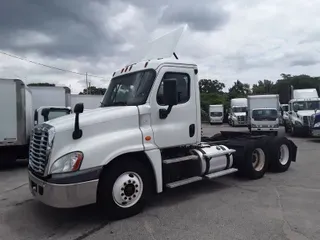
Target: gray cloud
{"points": [[304, 62], [72, 26]]}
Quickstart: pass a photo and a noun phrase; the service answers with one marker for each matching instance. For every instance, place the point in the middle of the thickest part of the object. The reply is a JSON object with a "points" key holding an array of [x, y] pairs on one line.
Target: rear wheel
{"points": [[123, 189], [280, 154], [255, 162]]}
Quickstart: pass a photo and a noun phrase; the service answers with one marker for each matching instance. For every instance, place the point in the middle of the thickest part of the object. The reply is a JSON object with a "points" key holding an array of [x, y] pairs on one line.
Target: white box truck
{"points": [[89, 101], [16, 120], [264, 113], [142, 142], [304, 103], [216, 114], [238, 112], [49, 102]]}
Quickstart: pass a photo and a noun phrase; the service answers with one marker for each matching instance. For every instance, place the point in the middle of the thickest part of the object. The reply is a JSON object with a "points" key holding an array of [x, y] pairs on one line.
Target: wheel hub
{"points": [[127, 189]]}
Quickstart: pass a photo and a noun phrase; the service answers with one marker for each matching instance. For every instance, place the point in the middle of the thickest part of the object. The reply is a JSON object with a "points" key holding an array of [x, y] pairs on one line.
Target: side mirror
{"points": [[170, 92], [78, 108], [77, 133], [45, 113], [170, 97]]}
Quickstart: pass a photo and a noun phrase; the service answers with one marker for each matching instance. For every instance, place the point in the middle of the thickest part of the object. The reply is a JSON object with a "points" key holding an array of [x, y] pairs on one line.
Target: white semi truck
{"points": [[284, 108], [15, 119], [142, 142], [216, 113], [238, 112], [263, 114], [304, 103]]}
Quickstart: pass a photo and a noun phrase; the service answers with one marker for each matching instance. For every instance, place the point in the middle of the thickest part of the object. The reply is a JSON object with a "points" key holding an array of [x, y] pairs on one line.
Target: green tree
{"points": [[239, 90], [210, 86], [42, 84], [263, 87], [92, 90]]}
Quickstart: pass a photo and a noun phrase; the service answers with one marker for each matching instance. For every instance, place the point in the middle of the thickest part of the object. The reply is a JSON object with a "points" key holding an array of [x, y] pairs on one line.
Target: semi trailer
{"points": [[143, 140]]}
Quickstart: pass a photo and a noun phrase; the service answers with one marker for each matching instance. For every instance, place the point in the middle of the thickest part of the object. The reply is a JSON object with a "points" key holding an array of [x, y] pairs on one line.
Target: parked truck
{"points": [[238, 112], [15, 119], [216, 113], [263, 114], [315, 123], [143, 142], [49, 102], [304, 103]]}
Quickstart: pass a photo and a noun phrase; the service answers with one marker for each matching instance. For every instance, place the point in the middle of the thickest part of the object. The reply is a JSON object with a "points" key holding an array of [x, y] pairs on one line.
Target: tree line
{"points": [[212, 90]]}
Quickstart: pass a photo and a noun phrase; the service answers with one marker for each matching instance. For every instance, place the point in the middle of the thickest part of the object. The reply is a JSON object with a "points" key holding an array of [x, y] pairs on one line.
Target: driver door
{"points": [[179, 127]]}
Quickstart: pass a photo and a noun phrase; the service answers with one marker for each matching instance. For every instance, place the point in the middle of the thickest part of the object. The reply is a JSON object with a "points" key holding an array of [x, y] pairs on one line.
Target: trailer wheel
{"points": [[255, 162], [280, 154], [123, 189]]}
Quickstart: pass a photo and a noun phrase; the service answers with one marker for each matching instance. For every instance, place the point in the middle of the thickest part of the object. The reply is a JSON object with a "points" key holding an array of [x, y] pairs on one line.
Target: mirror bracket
{"points": [[163, 113]]}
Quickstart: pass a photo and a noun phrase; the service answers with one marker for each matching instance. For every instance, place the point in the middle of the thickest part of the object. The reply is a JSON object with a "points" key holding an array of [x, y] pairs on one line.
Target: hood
{"points": [[303, 113], [93, 116], [240, 114]]}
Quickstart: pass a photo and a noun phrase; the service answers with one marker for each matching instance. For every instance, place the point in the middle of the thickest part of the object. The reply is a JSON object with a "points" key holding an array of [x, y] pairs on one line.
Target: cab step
{"points": [[184, 182], [221, 173], [180, 159]]}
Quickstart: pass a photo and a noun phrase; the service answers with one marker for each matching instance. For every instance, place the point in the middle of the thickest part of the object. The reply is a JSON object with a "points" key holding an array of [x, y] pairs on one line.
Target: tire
{"points": [[279, 154], [255, 161], [123, 189]]}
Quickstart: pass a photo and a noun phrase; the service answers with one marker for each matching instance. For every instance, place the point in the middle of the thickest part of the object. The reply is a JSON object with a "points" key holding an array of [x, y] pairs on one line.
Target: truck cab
{"points": [[145, 137], [238, 112], [263, 113], [304, 104], [216, 114]]}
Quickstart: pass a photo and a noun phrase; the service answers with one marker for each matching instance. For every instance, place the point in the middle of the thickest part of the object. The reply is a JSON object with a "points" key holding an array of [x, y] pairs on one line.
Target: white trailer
{"points": [[216, 113], [50, 100], [89, 101], [238, 112], [128, 149], [15, 119], [264, 113]]}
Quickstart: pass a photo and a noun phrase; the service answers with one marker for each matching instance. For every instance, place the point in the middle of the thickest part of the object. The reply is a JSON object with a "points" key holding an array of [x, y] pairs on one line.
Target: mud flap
{"points": [[294, 150]]}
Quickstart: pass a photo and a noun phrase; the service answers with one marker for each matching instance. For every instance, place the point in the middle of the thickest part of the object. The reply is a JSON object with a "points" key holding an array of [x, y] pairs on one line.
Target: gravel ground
{"points": [[279, 206]]}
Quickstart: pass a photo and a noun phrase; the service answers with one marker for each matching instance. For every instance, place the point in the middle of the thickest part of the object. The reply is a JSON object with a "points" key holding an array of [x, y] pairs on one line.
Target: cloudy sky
{"points": [[229, 39]]}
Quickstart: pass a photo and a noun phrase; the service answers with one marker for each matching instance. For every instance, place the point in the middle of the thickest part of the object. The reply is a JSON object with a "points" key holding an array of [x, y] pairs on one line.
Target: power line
{"points": [[45, 65]]}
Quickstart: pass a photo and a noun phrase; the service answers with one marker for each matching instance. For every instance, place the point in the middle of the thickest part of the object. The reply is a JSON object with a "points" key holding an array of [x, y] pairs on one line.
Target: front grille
{"points": [[242, 119], [306, 120], [38, 155]]}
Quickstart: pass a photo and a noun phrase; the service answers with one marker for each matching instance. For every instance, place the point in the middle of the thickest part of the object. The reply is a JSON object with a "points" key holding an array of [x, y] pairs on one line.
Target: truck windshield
{"points": [[239, 109], [216, 114], [265, 114], [285, 108], [306, 105], [130, 89]]}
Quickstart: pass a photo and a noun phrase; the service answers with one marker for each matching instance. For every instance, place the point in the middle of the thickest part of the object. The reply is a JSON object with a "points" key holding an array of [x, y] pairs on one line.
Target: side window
{"points": [[183, 87]]}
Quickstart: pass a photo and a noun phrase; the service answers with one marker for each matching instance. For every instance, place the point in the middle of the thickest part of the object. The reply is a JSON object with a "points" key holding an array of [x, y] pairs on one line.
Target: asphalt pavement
{"points": [[278, 206]]}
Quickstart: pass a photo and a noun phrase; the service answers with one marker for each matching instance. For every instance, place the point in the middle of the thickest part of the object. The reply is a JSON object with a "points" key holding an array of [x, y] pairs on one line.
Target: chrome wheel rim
{"points": [[127, 189], [284, 154], [258, 159]]}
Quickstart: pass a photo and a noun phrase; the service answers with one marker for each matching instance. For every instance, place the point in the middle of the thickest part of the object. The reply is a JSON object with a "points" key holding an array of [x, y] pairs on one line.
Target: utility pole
{"points": [[87, 82]]}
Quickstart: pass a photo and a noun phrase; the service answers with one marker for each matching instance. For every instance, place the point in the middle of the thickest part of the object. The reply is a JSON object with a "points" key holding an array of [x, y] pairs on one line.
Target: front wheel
{"points": [[123, 189]]}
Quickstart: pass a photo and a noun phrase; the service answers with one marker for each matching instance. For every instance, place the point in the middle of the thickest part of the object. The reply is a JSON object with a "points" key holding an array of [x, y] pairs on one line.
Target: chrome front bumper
{"points": [[63, 195]]}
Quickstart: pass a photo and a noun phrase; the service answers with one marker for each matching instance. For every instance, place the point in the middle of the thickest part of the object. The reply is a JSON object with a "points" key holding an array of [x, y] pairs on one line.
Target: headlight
{"points": [[317, 125], [297, 123], [70, 162], [276, 126], [253, 126]]}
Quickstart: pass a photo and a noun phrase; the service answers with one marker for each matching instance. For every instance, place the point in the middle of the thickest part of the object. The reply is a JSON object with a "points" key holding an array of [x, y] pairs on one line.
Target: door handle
{"points": [[192, 130]]}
